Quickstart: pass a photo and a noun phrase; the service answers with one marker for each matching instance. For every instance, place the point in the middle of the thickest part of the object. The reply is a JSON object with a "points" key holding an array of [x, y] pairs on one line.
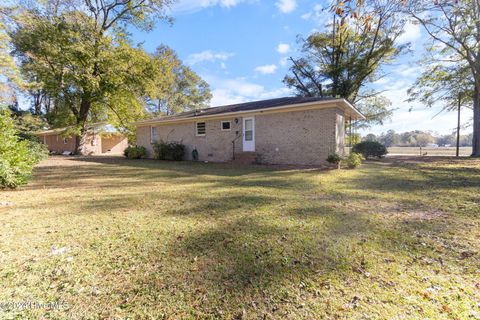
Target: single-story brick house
{"points": [[101, 139], [292, 130]]}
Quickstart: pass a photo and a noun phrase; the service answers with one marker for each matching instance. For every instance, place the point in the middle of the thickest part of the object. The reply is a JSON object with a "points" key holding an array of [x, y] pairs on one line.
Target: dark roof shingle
{"points": [[246, 106]]}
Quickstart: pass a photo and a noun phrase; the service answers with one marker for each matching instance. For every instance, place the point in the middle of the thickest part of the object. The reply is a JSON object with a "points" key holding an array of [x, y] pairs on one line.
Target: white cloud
{"points": [[236, 90], [315, 14], [283, 48], [412, 33], [382, 81], [306, 16], [195, 5], [286, 6], [221, 97], [408, 71], [283, 61], [266, 69], [208, 56]]}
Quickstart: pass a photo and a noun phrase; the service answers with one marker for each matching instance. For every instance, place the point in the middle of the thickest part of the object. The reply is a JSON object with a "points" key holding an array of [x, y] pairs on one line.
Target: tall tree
{"points": [[455, 25], [80, 54], [10, 77], [441, 83], [342, 61], [180, 89], [445, 83]]}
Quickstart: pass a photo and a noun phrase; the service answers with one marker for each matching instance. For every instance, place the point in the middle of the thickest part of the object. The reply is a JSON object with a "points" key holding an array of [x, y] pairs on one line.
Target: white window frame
{"points": [[229, 125], [65, 140], [152, 140], [196, 129]]}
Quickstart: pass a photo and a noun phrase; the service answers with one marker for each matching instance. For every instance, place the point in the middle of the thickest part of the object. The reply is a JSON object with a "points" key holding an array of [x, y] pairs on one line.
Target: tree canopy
{"points": [[80, 65], [180, 89], [344, 59], [454, 27]]}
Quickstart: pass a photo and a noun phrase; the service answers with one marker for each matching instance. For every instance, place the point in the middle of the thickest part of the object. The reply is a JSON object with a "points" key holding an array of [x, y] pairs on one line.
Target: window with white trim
{"points": [[153, 134], [226, 125], [65, 140], [200, 128]]}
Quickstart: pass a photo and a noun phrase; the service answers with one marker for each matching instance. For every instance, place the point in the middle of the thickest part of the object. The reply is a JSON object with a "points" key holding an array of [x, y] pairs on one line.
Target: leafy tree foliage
{"points": [[455, 26], [91, 77], [180, 89], [417, 138], [17, 156], [341, 62], [442, 83], [352, 139], [76, 56], [10, 77], [26, 123]]}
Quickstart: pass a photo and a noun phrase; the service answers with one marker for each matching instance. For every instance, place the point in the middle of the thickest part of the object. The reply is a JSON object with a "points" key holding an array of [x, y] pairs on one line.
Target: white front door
{"points": [[249, 134]]}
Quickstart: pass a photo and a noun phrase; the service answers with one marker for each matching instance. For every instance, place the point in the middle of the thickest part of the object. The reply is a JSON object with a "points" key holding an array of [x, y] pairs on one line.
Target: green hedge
{"points": [[135, 152], [370, 149], [173, 151]]}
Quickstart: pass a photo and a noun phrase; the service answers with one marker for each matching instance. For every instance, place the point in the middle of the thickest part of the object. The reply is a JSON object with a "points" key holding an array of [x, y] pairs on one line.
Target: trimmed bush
{"points": [[173, 151], [353, 160], [135, 152], [334, 159], [17, 157], [370, 149]]}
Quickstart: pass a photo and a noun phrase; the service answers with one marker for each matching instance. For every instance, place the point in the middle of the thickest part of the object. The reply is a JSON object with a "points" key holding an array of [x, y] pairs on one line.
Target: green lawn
{"points": [[113, 239], [429, 151]]}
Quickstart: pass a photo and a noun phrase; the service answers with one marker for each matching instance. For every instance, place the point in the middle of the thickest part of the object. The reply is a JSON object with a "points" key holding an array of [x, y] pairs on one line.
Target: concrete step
{"points": [[244, 158]]}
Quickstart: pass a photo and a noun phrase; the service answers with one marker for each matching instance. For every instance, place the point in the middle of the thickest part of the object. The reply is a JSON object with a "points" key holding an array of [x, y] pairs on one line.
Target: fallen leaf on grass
{"points": [[466, 254]]}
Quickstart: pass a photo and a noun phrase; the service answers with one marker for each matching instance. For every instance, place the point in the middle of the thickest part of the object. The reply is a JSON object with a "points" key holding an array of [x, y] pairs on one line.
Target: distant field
{"points": [[440, 151]]}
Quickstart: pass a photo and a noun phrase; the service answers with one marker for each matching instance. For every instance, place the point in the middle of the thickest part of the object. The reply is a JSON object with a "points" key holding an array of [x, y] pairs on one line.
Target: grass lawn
{"points": [[122, 238], [429, 151]]}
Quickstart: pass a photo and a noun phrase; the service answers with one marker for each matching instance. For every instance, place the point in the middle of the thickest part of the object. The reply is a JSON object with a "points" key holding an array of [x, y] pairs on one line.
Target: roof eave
{"points": [[355, 113]]}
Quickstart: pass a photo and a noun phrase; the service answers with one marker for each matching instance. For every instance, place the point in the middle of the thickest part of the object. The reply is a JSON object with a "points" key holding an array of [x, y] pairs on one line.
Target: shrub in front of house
{"points": [[39, 150], [17, 156], [173, 151], [334, 159], [353, 160], [135, 152], [370, 149]]}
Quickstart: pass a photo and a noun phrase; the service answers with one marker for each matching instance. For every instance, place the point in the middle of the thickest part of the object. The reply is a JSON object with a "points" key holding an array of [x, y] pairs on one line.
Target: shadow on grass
{"points": [[111, 172], [253, 254], [413, 177], [260, 232]]}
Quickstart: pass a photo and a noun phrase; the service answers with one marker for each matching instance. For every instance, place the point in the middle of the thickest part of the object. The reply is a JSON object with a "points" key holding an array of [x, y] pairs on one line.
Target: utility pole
{"points": [[458, 125]]}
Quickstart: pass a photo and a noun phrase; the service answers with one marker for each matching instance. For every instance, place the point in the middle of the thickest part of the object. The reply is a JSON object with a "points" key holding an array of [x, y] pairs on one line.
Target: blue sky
{"points": [[240, 48]]}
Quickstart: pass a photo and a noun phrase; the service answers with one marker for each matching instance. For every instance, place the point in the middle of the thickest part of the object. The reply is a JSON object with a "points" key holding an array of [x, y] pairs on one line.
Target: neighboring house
{"points": [[293, 130], [101, 139]]}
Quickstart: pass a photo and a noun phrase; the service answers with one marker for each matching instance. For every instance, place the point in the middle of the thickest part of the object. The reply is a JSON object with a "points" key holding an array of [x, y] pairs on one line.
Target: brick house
{"points": [[101, 139], [292, 130]]}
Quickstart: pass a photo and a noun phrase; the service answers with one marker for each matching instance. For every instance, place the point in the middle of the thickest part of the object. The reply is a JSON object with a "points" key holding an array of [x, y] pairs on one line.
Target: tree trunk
{"points": [[81, 139], [457, 150], [476, 123], [37, 103]]}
